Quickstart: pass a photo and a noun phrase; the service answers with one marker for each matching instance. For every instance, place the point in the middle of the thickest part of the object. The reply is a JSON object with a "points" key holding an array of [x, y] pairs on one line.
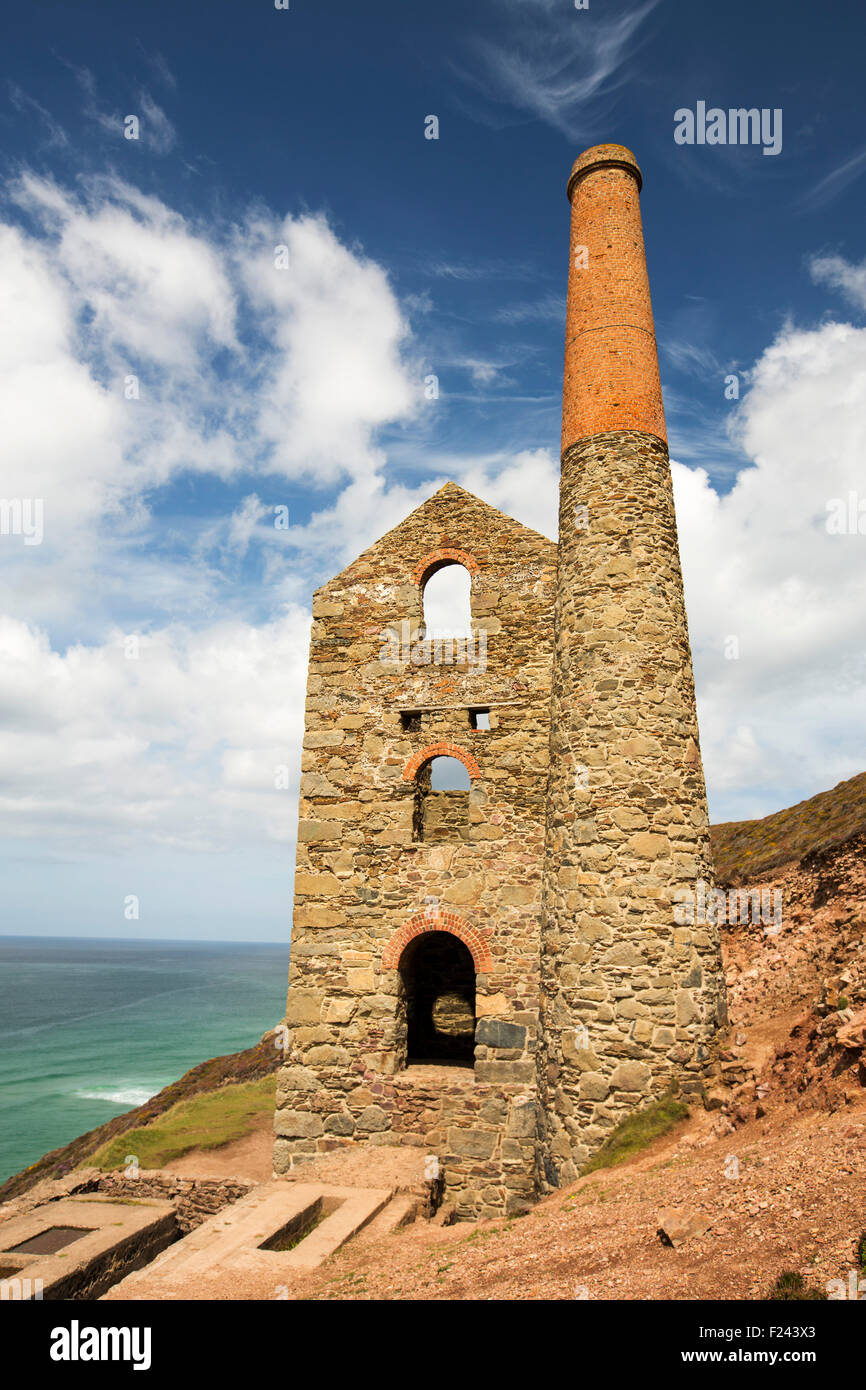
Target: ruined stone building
{"points": [[496, 973]]}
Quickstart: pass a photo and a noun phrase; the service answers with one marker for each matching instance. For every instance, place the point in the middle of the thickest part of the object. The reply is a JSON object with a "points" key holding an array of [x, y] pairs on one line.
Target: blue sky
{"points": [[152, 647]]}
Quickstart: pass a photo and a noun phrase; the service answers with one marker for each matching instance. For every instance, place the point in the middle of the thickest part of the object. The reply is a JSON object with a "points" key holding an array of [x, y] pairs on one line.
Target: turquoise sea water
{"points": [[90, 1028]]}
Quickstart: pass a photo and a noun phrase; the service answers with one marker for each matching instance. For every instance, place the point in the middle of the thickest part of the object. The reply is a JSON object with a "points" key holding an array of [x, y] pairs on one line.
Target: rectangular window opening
{"points": [[410, 720], [479, 719]]}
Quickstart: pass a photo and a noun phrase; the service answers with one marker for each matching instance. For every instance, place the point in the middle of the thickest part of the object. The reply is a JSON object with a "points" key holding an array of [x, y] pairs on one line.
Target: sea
{"points": [[91, 1027]]}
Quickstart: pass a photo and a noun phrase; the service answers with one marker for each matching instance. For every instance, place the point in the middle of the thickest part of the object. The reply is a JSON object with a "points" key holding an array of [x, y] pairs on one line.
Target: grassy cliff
{"points": [[747, 850], [227, 1084]]}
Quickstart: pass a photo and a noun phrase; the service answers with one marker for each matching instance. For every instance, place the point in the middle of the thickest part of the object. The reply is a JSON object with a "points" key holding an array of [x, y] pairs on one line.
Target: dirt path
{"points": [[249, 1157]]}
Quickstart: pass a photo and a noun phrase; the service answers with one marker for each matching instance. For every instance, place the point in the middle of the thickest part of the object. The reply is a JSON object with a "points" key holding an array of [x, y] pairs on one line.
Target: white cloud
{"points": [[784, 719], [136, 348], [176, 747], [524, 485], [245, 522], [244, 371], [63, 431], [841, 275], [339, 370], [154, 291]]}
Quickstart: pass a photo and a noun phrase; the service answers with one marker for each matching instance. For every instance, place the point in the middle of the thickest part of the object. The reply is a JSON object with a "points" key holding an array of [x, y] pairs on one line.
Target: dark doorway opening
{"points": [[438, 975]]}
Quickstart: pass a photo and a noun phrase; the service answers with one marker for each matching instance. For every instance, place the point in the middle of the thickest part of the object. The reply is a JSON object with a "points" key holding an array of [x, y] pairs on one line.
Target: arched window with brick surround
{"points": [[444, 577], [438, 956], [441, 775], [446, 604], [437, 979], [441, 811]]}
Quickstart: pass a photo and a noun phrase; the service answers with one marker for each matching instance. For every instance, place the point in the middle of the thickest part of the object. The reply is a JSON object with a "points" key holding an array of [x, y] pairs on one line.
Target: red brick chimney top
{"points": [[611, 379], [615, 156]]}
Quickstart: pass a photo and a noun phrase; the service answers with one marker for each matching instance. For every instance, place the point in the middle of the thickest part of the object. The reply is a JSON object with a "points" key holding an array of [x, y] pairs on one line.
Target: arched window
{"points": [[437, 976], [441, 811], [449, 775], [446, 606]]}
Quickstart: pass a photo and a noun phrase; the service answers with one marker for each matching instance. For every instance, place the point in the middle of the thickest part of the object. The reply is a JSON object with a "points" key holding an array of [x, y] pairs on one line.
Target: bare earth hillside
{"points": [[774, 1170]]}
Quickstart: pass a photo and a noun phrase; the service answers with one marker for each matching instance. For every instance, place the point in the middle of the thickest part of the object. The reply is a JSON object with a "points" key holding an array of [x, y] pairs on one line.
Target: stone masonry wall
{"points": [[631, 1000], [380, 703]]}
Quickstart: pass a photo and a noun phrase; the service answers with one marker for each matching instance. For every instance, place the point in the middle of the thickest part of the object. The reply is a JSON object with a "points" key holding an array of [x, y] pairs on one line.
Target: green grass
{"points": [[636, 1132], [205, 1121], [289, 1242], [791, 1286]]}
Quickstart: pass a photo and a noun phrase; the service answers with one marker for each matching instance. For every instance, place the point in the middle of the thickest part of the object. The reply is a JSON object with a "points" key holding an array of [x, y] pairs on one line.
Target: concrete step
{"points": [[400, 1211]]}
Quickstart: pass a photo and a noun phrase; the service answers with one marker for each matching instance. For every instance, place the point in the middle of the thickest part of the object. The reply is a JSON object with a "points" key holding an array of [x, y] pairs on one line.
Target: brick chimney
{"points": [[611, 364], [631, 999]]}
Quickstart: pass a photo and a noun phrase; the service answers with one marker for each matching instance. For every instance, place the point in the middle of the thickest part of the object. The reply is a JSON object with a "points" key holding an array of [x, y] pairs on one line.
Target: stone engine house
{"points": [[497, 972]]}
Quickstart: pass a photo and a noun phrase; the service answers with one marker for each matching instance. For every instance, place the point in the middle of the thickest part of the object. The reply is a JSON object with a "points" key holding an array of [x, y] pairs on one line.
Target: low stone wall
{"points": [[195, 1199], [484, 1135]]}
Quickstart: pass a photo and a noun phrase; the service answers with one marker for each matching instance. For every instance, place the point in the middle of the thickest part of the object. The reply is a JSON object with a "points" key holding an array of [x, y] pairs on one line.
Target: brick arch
{"points": [[443, 555], [438, 920], [443, 749]]}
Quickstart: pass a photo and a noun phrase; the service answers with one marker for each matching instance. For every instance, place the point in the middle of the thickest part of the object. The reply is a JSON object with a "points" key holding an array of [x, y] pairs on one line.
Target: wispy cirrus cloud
{"points": [[26, 105], [558, 65], [692, 357], [689, 339], [488, 269], [549, 308], [156, 131], [829, 187]]}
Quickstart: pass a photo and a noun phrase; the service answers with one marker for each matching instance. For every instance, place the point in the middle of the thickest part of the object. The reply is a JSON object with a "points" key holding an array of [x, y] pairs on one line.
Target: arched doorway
{"points": [[438, 978]]}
